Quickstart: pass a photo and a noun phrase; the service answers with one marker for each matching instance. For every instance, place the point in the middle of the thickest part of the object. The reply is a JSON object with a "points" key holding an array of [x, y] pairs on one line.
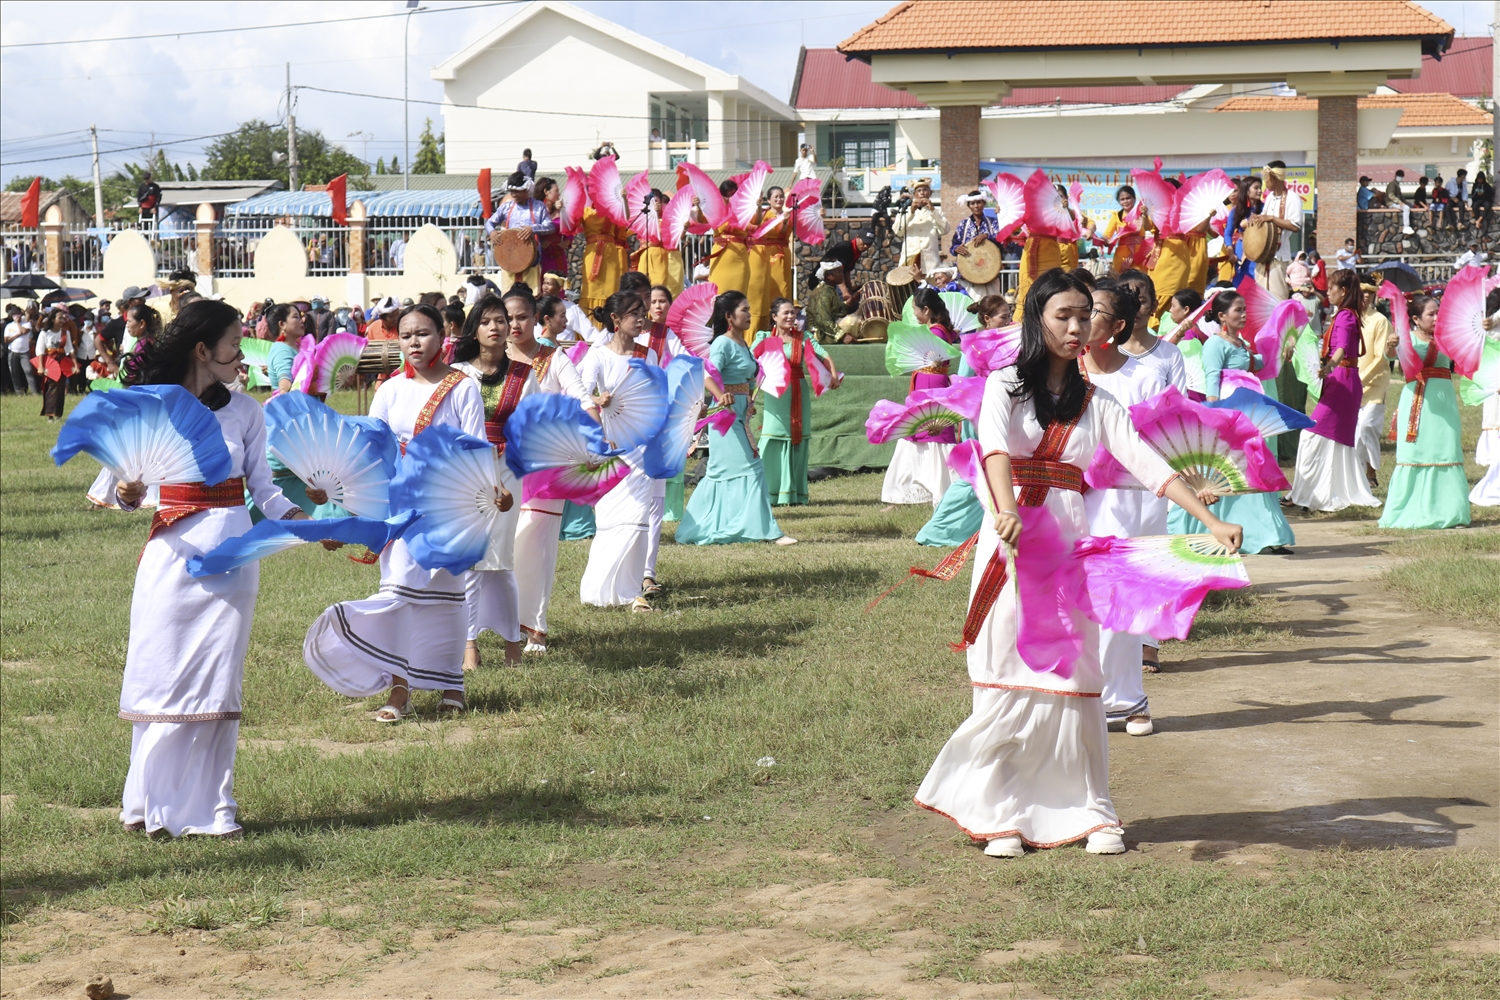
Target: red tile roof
{"points": [[969, 25], [1464, 71], [827, 80], [1417, 110]]}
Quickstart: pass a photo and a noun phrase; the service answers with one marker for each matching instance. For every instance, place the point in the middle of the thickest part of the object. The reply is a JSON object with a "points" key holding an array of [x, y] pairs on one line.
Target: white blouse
{"points": [[399, 402]]}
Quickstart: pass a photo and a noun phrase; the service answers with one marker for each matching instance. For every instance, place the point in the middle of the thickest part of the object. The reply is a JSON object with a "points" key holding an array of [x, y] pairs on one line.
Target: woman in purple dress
{"points": [[919, 472], [1328, 472]]}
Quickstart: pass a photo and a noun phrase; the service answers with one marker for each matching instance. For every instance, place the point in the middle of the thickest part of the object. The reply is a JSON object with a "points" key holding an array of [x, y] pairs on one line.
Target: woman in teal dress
{"points": [[1429, 488], [730, 503], [959, 514], [787, 419], [1266, 528]]}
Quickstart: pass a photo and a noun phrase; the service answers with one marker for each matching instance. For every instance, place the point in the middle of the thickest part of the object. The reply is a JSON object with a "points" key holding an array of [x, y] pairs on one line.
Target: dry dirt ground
{"points": [[1369, 726]]}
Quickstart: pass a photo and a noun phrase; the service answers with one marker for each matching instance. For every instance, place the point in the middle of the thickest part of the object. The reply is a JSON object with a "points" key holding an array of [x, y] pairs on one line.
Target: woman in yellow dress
{"points": [[1130, 244], [1182, 262], [662, 266], [729, 265], [1041, 255], [770, 260], [605, 256]]}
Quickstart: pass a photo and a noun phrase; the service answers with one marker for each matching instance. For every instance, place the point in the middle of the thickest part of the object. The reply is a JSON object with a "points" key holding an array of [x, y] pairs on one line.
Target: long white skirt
{"points": [[1486, 492], [1329, 476], [537, 535], [918, 473], [181, 777], [413, 627], [1033, 764], [617, 555], [657, 512], [492, 601], [1367, 434]]}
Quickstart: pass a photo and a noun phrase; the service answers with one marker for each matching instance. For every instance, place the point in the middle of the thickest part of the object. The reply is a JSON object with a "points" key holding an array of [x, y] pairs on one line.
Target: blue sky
{"points": [[172, 90]]}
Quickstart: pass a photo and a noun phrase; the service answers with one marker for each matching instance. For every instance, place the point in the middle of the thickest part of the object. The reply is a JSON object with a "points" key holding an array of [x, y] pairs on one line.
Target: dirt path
{"points": [[1368, 726]]}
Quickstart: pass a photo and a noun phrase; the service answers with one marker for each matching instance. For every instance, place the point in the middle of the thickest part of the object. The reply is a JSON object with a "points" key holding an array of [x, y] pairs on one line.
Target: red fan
{"points": [[807, 210], [575, 198]]}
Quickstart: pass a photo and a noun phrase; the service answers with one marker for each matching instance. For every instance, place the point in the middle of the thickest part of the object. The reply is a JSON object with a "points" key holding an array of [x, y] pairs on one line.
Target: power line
{"points": [[161, 144], [256, 27]]}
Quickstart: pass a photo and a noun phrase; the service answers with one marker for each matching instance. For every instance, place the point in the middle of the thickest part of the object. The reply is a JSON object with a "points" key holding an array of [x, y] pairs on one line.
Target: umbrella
{"points": [[68, 295], [1399, 273], [17, 282], [19, 293]]}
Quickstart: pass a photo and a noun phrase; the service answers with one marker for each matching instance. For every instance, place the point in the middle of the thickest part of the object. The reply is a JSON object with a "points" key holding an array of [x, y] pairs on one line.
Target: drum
{"points": [[515, 249], [1262, 240], [982, 265], [903, 285], [875, 312], [380, 357]]}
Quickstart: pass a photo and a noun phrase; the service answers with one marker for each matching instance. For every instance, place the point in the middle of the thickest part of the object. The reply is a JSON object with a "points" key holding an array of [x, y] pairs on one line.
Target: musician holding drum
{"points": [[513, 232], [974, 249]]}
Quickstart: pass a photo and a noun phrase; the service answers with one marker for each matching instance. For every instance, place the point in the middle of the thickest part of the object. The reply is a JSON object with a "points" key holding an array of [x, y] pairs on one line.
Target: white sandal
{"points": [[452, 705], [389, 713]]}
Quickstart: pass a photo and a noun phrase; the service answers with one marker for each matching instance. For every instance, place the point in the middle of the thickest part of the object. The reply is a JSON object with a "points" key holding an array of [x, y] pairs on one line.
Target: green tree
{"points": [[380, 165], [395, 167], [431, 155], [250, 153]]}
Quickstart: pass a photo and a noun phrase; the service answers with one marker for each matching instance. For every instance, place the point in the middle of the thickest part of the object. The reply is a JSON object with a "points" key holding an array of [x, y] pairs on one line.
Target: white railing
{"points": [[23, 250], [82, 254]]}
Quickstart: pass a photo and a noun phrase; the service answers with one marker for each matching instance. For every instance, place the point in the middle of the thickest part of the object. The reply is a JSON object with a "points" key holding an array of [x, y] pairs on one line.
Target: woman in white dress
{"points": [[411, 632], [539, 524], [1031, 763], [1486, 492], [492, 597], [919, 471], [617, 555], [185, 662], [1125, 513]]}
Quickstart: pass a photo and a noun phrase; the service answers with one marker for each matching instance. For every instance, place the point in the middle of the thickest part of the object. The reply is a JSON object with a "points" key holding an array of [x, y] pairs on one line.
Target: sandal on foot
{"points": [[451, 705], [786, 540], [649, 587], [1150, 666], [641, 605], [1139, 725], [390, 713]]}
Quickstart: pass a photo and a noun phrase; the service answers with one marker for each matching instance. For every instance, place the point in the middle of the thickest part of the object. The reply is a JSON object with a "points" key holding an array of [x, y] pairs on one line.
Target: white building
{"points": [[560, 81]]}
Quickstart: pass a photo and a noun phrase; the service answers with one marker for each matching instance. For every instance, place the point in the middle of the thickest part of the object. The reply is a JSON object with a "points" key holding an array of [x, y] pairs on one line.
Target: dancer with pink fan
{"points": [[771, 254], [492, 596], [730, 503], [410, 632], [185, 662], [729, 265], [1328, 475], [1468, 331], [1031, 763], [1429, 487], [787, 419], [918, 471], [606, 234], [1265, 527]]}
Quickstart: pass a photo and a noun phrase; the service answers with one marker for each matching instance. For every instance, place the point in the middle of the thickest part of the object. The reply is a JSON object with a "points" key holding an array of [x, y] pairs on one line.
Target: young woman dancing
{"points": [[919, 471], [185, 662], [410, 633], [1031, 763], [788, 418]]}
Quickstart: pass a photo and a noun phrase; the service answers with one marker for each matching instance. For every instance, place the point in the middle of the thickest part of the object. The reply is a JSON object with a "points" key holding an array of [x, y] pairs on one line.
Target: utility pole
{"points": [[1494, 82], [291, 136], [98, 189], [406, 97]]}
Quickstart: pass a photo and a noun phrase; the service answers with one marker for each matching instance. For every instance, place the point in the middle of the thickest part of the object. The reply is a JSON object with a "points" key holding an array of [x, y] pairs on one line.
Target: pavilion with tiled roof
{"points": [[963, 55]]}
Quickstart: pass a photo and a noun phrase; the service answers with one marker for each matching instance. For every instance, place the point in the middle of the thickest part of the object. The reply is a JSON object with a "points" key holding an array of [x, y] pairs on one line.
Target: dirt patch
{"points": [[454, 736]]}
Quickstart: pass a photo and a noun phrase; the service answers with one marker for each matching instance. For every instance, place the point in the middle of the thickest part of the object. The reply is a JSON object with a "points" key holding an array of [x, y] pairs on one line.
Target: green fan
{"points": [[910, 347]]}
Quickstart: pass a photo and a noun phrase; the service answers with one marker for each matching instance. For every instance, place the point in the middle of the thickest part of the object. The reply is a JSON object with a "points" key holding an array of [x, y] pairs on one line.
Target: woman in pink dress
{"points": [[1328, 475]]}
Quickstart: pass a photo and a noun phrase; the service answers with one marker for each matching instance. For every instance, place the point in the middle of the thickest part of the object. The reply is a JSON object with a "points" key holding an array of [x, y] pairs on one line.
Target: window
{"points": [[865, 147]]}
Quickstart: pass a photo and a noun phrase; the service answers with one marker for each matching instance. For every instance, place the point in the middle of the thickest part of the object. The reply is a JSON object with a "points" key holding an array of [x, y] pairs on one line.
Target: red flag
{"points": [[485, 198], [30, 202], [338, 194]]}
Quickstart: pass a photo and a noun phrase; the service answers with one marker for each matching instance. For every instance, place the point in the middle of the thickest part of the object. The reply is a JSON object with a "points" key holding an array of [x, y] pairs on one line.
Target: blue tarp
{"points": [[379, 204]]}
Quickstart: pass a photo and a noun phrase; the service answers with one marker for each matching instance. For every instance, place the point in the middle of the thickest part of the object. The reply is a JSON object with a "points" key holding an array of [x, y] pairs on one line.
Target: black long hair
{"points": [[724, 307], [466, 347], [278, 315], [929, 299], [168, 359], [1035, 362], [1222, 302]]}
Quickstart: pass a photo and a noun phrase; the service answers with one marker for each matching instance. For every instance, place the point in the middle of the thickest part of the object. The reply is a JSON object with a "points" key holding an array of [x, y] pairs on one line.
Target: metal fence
{"points": [[386, 238], [23, 249]]}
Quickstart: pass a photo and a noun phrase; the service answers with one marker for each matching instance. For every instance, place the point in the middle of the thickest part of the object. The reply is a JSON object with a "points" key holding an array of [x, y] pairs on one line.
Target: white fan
{"points": [[153, 434], [352, 459]]}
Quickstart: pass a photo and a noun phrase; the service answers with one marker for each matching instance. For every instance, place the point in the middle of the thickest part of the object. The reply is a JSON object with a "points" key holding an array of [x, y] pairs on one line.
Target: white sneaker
{"points": [[786, 540], [1110, 840], [1008, 847], [1407, 230], [1139, 725]]}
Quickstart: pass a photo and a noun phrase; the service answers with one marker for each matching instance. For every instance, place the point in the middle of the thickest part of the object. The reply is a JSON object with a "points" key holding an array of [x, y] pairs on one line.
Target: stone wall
{"points": [[1378, 231], [881, 251]]}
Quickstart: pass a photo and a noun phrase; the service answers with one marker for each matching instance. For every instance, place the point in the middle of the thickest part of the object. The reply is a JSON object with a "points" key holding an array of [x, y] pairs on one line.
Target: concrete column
{"points": [[52, 228], [203, 222], [356, 287], [959, 152], [718, 132], [1338, 170]]}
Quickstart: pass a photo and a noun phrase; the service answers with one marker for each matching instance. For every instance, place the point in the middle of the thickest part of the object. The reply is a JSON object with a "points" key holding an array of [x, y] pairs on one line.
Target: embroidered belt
{"points": [[941, 368], [1036, 476], [1414, 420], [738, 389], [186, 499], [1348, 363]]}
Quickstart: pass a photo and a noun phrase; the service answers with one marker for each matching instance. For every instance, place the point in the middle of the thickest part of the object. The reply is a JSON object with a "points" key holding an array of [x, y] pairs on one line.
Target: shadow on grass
{"points": [[1392, 654], [1361, 824], [829, 584], [1258, 713]]}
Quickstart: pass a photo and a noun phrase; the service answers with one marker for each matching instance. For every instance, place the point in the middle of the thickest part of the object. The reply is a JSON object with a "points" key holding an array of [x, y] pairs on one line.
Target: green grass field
{"points": [[618, 781]]}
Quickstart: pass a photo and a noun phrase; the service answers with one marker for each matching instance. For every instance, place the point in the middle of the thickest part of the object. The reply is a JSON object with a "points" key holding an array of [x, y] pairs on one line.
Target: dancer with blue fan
{"points": [[410, 633], [730, 503], [176, 427], [630, 393], [493, 596], [539, 521]]}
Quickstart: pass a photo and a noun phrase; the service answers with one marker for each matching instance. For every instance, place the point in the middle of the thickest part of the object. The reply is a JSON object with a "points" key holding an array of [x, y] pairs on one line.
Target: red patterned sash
{"points": [[1429, 370], [429, 408], [183, 500], [1042, 472], [510, 396], [797, 372]]}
